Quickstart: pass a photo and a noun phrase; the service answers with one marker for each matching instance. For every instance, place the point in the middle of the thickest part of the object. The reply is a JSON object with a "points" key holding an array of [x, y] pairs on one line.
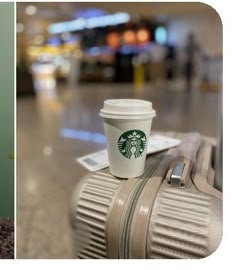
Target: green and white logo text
{"points": [[132, 143]]}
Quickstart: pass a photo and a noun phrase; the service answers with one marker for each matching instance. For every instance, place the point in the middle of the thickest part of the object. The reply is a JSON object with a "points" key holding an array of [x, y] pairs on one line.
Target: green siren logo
{"points": [[132, 143]]}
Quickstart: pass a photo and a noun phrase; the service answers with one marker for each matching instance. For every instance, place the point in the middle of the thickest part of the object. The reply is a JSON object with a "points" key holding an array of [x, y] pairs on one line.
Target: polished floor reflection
{"points": [[52, 134]]}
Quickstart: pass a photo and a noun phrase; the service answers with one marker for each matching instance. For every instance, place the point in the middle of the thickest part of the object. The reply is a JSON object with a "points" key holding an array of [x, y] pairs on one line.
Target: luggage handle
{"points": [[180, 168], [179, 171]]}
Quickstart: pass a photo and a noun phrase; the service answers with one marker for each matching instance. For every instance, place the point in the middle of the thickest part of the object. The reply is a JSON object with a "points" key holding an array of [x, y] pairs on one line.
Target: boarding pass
{"points": [[99, 160]]}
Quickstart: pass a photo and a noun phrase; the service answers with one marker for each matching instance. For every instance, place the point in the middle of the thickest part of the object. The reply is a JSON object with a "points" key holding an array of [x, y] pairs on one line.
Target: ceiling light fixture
{"points": [[30, 10], [81, 24]]}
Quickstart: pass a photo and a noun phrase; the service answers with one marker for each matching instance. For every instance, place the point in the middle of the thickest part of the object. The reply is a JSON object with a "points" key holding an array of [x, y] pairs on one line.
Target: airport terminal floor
{"points": [[51, 135]]}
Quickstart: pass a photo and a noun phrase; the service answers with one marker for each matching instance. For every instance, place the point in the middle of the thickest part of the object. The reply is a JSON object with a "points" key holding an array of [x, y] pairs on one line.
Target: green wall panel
{"points": [[6, 109]]}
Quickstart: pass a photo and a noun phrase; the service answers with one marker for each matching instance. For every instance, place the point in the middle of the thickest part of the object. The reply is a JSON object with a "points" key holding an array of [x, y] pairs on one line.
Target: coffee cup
{"points": [[127, 125]]}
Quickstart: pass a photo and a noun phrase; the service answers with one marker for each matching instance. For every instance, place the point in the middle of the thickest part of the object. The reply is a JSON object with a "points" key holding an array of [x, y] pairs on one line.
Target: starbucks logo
{"points": [[132, 143]]}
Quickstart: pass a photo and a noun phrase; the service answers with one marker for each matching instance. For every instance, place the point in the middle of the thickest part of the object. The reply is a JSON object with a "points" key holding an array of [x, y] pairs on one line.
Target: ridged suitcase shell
{"points": [[145, 217]]}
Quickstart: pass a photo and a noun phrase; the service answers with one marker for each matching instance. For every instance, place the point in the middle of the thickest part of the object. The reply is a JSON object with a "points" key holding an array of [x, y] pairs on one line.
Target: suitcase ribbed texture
{"points": [[141, 218], [179, 225], [93, 205]]}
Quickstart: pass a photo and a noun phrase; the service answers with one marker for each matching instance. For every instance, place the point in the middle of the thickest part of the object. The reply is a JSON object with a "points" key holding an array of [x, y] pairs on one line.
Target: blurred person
{"points": [[75, 68], [190, 50], [123, 64], [156, 70], [170, 63], [170, 59]]}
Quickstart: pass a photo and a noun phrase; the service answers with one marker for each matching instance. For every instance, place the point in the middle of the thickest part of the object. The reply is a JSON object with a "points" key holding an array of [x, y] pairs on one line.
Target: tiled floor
{"points": [[46, 169]]}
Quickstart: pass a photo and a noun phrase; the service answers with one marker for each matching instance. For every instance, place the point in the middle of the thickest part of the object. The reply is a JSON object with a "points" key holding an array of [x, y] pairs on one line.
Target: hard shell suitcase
{"points": [[171, 211]]}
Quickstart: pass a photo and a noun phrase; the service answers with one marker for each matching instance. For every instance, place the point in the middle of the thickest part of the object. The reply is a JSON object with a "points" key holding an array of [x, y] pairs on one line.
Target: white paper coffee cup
{"points": [[127, 124]]}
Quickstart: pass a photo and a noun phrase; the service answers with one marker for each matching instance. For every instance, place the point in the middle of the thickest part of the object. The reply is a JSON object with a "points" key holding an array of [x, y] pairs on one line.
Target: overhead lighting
{"points": [[129, 37], [113, 40], [20, 27], [143, 36], [90, 23], [160, 35], [30, 10]]}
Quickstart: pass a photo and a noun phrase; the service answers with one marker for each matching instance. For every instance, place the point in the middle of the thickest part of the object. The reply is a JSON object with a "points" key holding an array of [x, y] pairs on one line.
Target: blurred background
{"points": [[73, 56]]}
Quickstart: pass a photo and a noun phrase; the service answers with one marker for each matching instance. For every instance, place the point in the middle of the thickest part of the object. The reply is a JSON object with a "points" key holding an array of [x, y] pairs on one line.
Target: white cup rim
{"points": [[127, 108], [128, 116]]}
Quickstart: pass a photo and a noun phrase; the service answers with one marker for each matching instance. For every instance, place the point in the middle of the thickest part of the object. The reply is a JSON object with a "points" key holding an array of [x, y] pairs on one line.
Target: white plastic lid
{"points": [[127, 108]]}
